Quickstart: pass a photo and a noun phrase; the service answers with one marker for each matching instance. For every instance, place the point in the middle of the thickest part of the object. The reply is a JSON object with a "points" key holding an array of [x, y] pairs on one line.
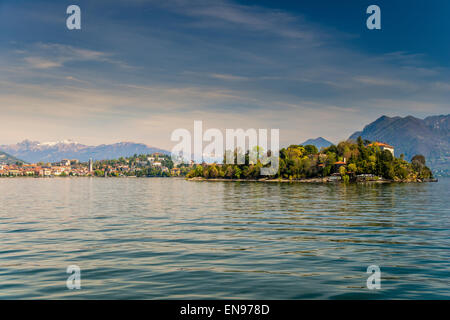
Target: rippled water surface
{"points": [[155, 238]]}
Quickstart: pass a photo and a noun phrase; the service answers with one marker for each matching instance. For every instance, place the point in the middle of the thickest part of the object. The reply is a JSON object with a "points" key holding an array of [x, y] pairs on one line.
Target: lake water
{"points": [[156, 238]]}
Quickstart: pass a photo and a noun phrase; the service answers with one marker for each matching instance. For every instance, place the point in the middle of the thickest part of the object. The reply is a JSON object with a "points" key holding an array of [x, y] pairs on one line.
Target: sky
{"points": [[139, 69]]}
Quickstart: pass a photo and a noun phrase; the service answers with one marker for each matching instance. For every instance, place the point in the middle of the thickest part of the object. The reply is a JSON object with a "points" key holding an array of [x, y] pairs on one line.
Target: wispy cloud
{"points": [[42, 63], [228, 77], [53, 55], [254, 18], [385, 82]]}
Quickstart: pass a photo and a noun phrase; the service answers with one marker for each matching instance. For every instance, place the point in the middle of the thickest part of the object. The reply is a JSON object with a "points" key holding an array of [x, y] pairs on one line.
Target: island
{"points": [[348, 161]]}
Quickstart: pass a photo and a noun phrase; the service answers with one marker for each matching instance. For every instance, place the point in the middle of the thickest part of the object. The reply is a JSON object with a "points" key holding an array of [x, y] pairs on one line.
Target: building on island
{"points": [[339, 164], [383, 146]]}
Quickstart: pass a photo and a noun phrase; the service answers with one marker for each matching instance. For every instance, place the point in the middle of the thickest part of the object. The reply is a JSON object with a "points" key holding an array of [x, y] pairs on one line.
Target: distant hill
{"points": [[318, 142], [8, 159], [410, 136], [33, 151]]}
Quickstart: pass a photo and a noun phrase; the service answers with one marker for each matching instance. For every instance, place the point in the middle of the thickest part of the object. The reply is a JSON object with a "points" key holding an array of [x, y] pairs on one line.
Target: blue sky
{"points": [[140, 69]]}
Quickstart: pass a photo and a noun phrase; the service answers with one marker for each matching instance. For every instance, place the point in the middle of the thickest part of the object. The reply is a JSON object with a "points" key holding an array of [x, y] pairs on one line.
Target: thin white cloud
{"points": [[227, 77], [220, 14], [53, 55], [42, 63], [385, 82], [253, 18]]}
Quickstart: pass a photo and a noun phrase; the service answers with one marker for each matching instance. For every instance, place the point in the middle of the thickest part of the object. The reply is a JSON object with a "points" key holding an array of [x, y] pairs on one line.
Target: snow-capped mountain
{"points": [[50, 144], [34, 151]]}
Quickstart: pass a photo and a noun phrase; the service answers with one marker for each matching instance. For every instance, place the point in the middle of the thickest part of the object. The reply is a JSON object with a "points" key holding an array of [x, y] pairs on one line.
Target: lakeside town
{"points": [[150, 165]]}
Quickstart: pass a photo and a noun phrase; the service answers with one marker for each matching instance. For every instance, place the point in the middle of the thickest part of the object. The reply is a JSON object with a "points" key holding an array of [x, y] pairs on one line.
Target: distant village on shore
{"points": [[156, 164]]}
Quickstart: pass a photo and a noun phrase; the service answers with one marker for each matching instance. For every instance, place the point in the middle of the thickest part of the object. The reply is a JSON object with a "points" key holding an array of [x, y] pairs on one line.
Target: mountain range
{"points": [[34, 151], [318, 142], [410, 136]]}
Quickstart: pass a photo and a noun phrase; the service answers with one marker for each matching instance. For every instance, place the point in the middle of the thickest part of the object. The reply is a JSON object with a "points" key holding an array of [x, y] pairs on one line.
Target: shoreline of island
{"points": [[266, 180], [325, 180]]}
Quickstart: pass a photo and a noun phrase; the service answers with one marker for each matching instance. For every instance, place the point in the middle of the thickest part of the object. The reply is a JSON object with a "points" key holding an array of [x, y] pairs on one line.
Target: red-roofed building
{"points": [[383, 146]]}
